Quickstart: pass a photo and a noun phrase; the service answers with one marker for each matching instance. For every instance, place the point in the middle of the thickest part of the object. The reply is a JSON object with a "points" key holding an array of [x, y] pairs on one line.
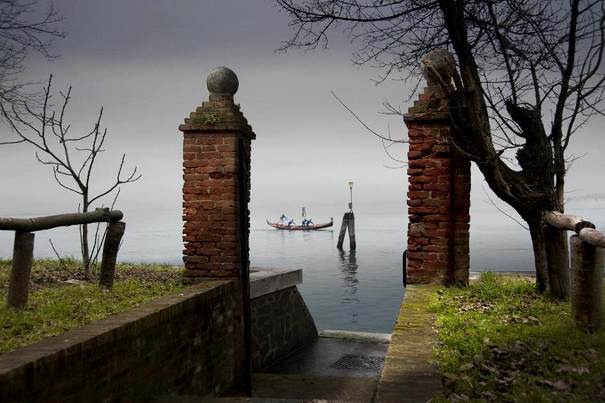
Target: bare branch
{"points": [[384, 138], [502, 210]]}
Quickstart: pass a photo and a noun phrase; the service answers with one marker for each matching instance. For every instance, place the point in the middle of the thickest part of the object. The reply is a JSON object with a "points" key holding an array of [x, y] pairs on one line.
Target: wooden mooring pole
{"points": [[343, 230], [352, 242], [23, 255], [348, 221]]}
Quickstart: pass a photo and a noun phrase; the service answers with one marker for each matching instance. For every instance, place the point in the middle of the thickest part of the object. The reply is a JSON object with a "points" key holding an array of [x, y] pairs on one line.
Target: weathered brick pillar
{"points": [[439, 184], [216, 137]]}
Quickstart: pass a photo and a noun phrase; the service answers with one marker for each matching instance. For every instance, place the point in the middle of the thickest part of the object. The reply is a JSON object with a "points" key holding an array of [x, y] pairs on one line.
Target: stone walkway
{"points": [[409, 374]]}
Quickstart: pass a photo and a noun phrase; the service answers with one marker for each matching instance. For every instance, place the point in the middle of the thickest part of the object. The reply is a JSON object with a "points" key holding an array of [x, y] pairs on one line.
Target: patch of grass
{"points": [[502, 341], [55, 306]]}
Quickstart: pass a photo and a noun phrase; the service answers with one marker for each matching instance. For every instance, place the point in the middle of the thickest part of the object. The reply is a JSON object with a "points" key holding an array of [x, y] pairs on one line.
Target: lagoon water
{"points": [[359, 290], [351, 291]]}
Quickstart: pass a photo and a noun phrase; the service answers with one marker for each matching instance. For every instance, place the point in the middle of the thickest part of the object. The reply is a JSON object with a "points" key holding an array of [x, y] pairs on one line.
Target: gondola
{"points": [[312, 227]]}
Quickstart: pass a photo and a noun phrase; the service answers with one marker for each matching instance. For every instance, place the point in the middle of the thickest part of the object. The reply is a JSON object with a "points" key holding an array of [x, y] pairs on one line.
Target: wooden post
{"points": [[587, 263], [343, 230], [352, 242], [23, 254], [557, 258], [115, 231]]}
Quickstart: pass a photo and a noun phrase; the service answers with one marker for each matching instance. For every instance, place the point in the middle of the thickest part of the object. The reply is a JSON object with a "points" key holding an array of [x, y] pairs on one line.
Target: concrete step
{"points": [[197, 399], [309, 387], [266, 400]]}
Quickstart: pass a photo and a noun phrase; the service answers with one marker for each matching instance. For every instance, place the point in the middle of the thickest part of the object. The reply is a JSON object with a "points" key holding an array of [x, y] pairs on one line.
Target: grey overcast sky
{"points": [[146, 61]]}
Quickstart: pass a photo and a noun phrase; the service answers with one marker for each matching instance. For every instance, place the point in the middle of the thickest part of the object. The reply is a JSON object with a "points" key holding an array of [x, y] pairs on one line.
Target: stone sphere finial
{"points": [[441, 62], [222, 81]]}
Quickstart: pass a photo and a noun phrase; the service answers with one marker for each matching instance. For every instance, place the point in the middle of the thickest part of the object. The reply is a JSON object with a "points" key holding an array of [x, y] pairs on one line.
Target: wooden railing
{"points": [[23, 252], [584, 229], [587, 252]]}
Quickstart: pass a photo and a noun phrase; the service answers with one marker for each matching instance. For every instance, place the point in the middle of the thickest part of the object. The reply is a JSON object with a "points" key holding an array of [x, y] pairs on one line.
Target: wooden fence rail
{"points": [[587, 251], [60, 220], [585, 229], [23, 250]]}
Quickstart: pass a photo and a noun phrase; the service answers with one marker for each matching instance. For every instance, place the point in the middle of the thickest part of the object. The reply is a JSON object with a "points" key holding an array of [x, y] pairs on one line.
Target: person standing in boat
{"points": [[307, 222], [283, 219]]}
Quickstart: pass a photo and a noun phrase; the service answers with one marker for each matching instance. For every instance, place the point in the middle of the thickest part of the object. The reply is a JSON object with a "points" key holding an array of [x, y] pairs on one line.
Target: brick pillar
{"points": [[439, 184], [214, 135]]}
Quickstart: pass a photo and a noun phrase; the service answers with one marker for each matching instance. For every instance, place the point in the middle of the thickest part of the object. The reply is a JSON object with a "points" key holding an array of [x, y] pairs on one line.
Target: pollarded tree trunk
{"points": [[557, 245], [539, 248], [557, 258]]}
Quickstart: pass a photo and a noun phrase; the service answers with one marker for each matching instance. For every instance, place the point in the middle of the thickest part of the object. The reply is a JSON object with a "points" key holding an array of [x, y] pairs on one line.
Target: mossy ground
{"points": [[502, 341], [55, 306]]}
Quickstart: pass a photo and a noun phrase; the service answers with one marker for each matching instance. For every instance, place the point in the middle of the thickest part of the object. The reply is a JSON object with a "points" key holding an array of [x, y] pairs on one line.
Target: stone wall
{"points": [[191, 343], [281, 324]]}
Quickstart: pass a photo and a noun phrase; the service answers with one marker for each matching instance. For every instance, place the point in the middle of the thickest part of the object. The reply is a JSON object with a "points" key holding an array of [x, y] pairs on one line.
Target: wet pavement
{"points": [[330, 356]]}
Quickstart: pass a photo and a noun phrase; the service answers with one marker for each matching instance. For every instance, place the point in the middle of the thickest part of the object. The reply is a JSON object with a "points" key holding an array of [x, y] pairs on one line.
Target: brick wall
{"points": [[187, 344], [211, 194], [191, 344], [438, 195]]}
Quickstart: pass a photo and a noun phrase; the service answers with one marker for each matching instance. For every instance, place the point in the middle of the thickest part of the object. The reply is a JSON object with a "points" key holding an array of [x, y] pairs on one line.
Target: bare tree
{"points": [[71, 157], [529, 76], [24, 28]]}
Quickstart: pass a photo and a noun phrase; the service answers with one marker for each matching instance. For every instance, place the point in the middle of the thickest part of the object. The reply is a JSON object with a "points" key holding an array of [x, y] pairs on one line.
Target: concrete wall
{"points": [[281, 325], [281, 321]]}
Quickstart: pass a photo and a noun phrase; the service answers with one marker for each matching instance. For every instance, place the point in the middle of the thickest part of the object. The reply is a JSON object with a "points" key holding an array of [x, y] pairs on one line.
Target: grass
{"points": [[55, 306], [499, 340]]}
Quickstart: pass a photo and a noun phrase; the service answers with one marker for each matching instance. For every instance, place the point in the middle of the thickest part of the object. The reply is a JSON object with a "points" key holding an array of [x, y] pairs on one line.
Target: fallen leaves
{"points": [[573, 370], [502, 341], [477, 306], [514, 318]]}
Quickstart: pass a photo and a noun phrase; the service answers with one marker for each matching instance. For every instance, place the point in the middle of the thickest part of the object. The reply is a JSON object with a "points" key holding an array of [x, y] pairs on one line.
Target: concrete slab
{"points": [[336, 357], [307, 387], [267, 280], [359, 336]]}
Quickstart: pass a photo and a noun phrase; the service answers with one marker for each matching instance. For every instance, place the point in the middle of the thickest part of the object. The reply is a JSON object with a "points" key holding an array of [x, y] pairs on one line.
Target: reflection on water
{"points": [[348, 268], [358, 291]]}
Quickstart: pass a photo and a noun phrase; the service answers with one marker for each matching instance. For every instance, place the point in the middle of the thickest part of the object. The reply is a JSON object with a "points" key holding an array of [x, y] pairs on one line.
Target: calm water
{"points": [[360, 291]]}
